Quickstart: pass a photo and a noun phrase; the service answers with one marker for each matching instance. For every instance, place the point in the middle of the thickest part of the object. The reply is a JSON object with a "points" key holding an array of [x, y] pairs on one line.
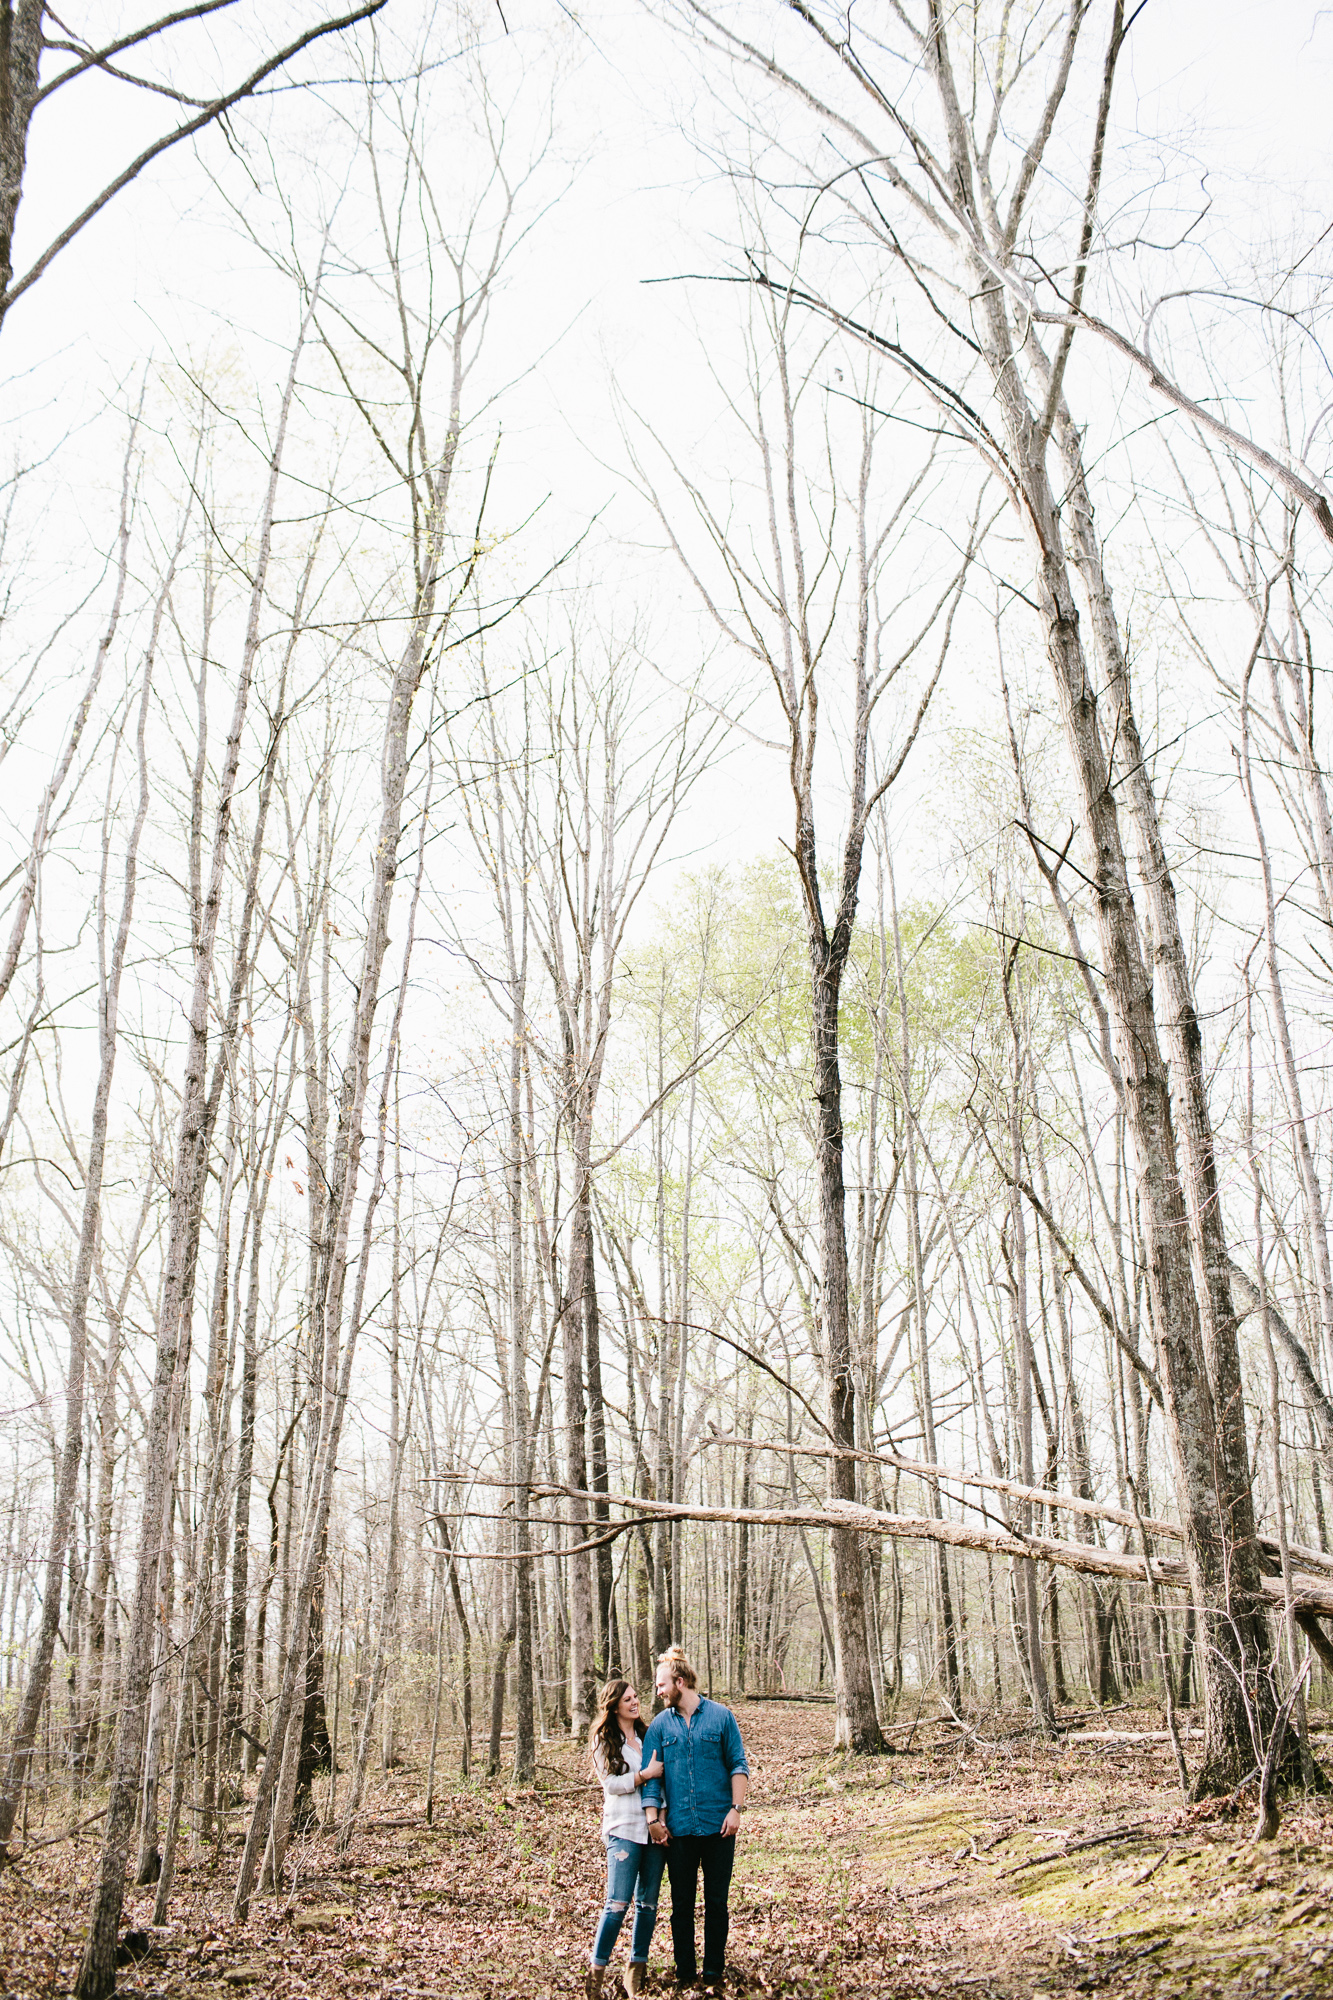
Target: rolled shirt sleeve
{"points": [[652, 1747], [733, 1750]]}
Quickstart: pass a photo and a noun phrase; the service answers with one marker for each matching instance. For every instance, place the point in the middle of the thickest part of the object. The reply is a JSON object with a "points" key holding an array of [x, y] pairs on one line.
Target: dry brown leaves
{"points": [[896, 1876]]}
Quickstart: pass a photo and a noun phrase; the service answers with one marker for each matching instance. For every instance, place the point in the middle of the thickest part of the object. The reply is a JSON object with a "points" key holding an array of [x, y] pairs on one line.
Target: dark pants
{"points": [[685, 1857]]}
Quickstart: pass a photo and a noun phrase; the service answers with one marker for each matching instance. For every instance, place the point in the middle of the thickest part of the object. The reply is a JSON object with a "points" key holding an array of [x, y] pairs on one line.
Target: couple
{"points": [[694, 1748]]}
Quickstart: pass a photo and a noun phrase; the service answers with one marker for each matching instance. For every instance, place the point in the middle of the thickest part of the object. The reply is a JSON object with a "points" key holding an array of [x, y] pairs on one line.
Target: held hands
{"points": [[657, 1832]]}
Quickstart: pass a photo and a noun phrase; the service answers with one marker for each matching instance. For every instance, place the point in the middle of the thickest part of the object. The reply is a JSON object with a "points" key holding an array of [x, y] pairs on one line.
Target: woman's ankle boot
{"points": [[594, 1984], [638, 1979]]}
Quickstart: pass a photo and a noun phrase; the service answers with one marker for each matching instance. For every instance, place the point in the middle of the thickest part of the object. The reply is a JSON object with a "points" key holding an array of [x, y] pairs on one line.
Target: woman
{"points": [[633, 1862]]}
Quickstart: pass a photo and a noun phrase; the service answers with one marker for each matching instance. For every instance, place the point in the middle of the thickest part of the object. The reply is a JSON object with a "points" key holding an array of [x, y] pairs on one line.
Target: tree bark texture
{"points": [[857, 1724], [20, 55]]}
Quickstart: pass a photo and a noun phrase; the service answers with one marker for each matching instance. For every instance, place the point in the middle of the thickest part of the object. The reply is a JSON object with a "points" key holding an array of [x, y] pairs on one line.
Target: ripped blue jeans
{"points": [[633, 1870]]}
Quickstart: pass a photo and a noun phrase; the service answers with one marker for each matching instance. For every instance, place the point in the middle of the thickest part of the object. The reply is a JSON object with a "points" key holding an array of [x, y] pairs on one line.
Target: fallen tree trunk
{"points": [[1041, 1496], [1065, 1503], [1311, 1593]]}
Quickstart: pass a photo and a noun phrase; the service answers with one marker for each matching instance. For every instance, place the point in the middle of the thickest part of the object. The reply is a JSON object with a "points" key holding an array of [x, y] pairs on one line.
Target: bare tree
{"points": [[437, 311], [24, 41], [568, 840], [782, 611]]}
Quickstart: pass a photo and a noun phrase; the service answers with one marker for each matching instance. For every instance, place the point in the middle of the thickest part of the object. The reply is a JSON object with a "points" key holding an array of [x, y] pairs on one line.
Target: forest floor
{"points": [[962, 1866]]}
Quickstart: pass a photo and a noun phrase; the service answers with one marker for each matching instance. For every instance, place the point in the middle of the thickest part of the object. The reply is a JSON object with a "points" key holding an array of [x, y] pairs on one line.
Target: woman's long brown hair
{"points": [[607, 1734]]}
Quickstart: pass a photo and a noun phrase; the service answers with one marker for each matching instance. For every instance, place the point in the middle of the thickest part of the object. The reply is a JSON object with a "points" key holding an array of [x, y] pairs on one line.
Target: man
{"points": [[706, 1779]]}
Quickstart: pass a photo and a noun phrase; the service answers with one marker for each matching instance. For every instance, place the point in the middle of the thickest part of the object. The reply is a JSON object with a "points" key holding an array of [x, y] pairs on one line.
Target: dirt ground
{"points": [[975, 1866]]}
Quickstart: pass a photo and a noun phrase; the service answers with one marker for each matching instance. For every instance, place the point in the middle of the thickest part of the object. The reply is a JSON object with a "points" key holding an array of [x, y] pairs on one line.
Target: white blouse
{"points": [[623, 1816]]}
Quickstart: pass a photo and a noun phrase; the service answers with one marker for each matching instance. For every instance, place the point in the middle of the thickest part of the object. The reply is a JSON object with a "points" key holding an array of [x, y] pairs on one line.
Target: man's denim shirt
{"points": [[700, 1756]]}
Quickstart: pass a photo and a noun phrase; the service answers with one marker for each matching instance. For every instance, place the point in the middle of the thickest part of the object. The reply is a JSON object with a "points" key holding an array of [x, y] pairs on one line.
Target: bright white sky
{"points": [[1244, 83], [1250, 80]]}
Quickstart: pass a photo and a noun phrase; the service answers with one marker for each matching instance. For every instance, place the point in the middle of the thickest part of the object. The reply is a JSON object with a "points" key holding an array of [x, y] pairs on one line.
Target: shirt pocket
{"points": [[710, 1737]]}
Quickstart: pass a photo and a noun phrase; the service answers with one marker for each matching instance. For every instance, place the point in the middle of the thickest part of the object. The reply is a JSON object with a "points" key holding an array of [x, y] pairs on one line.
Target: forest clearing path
{"points": [[961, 1868]]}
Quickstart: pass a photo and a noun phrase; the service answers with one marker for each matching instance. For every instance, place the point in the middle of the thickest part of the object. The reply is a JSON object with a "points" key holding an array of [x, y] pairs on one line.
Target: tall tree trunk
{"points": [[465, 1633], [1240, 1625], [499, 1676], [211, 1514], [388, 1614], [263, 1156], [592, 1353], [947, 1653], [525, 1745], [100, 1588], [234, 1696], [741, 1644], [664, 1631], [1026, 1581], [1205, 1499], [149, 1864], [857, 1726], [582, 1693]]}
